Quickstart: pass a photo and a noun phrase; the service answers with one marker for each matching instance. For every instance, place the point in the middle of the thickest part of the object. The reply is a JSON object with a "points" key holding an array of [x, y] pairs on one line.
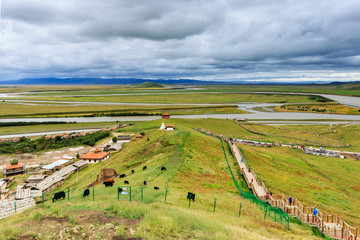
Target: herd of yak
{"points": [[110, 182]]}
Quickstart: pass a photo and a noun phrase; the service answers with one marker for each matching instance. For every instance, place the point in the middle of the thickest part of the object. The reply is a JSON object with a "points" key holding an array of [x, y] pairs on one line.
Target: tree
{"points": [[77, 155], [114, 139]]}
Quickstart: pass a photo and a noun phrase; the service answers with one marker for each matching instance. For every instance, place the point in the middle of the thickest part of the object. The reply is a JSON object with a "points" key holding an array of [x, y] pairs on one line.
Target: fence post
{"points": [[130, 194], [15, 206], [142, 196], [265, 207], [189, 201], [68, 193], [275, 214], [42, 198], [288, 222], [240, 210], [214, 204], [93, 193], [118, 192], [165, 195]]}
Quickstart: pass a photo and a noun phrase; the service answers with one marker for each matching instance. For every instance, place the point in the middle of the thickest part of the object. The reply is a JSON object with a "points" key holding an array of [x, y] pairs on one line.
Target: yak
{"points": [[86, 192], [126, 182], [156, 188], [145, 167], [59, 195], [191, 196], [122, 175], [163, 168], [108, 184]]}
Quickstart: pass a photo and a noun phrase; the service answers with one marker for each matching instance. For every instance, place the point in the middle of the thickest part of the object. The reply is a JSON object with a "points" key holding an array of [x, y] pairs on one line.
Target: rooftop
{"points": [[14, 166], [94, 155]]}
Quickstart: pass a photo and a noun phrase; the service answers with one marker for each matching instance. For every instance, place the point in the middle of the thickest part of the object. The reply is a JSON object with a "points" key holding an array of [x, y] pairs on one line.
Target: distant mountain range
{"points": [[130, 81]]}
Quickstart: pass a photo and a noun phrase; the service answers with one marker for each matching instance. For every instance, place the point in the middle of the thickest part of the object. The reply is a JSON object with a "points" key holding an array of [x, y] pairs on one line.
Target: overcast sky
{"points": [[278, 40]]}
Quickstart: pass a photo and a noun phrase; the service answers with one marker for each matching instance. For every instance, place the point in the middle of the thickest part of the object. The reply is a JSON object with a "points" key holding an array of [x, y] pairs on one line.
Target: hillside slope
{"points": [[194, 162]]}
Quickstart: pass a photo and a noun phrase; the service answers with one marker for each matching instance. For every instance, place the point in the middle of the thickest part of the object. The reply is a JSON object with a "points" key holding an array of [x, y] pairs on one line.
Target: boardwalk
{"points": [[258, 188], [331, 225]]}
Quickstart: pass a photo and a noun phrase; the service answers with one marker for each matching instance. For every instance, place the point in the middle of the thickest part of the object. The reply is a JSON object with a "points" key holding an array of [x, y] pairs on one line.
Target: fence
{"points": [[147, 195], [269, 211], [335, 228]]}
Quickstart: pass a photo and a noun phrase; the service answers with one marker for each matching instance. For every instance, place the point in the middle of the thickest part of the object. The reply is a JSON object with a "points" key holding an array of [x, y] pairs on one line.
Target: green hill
{"points": [[194, 162], [147, 85]]}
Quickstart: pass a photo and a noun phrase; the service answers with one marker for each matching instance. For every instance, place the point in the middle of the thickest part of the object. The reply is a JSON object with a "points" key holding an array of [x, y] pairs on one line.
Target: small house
{"points": [[95, 156], [123, 138], [35, 178], [165, 116], [169, 127], [138, 136], [14, 168]]}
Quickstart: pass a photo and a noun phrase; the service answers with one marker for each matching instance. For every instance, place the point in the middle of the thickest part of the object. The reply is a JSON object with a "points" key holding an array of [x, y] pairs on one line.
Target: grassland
{"points": [[8, 110], [185, 98], [194, 163], [331, 108], [333, 184], [55, 127]]}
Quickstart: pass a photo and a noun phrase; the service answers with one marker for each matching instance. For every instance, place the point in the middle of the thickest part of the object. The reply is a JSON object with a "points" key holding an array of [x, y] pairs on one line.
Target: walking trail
{"points": [[331, 225]]}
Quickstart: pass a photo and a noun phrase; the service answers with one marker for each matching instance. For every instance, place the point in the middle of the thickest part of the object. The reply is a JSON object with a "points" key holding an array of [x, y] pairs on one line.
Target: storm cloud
{"points": [[210, 40]]}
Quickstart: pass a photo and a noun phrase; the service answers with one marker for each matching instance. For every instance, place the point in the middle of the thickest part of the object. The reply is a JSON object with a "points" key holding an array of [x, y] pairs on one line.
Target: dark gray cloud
{"points": [[200, 39]]}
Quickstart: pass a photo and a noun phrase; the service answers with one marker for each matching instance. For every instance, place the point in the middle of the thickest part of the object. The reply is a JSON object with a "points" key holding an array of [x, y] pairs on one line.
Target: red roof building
{"points": [[14, 168], [95, 156], [165, 116], [169, 127], [138, 136]]}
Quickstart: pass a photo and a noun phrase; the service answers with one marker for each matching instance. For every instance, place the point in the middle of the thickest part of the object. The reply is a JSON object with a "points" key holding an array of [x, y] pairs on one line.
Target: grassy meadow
{"points": [[194, 162], [9, 110], [184, 98], [331, 108], [333, 184]]}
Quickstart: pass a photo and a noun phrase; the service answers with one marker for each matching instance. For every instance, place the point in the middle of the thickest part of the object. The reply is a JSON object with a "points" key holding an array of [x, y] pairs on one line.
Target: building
{"points": [[35, 178], [14, 168], [165, 116], [53, 165], [138, 136], [95, 156], [169, 127], [123, 138]]}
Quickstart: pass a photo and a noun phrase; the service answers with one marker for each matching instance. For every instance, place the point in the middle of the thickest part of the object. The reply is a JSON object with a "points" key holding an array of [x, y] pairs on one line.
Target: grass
{"points": [[184, 98], [331, 108], [331, 183], [194, 163], [55, 127], [67, 110]]}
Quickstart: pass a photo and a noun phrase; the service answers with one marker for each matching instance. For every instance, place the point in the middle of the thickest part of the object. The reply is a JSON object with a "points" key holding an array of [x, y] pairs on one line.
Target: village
{"points": [[39, 178]]}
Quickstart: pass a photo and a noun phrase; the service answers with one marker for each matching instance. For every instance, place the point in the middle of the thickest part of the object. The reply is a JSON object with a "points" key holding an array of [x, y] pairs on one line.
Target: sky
{"points": [[222, 40]]}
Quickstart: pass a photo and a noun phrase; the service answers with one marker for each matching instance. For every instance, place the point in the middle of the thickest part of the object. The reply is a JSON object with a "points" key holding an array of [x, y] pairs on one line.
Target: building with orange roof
{"points": [[95, 156], [169, 127], [14, 168], [165, 116]]}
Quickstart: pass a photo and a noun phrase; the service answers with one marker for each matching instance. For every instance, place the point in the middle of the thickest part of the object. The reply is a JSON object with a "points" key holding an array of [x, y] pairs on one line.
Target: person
{"points": [[242, 160], [315, 212], [290, 200], [252, 180]]}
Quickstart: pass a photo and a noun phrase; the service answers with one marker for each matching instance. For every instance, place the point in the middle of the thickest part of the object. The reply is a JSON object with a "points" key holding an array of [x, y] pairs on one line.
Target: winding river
{"points": [[252, 115]]}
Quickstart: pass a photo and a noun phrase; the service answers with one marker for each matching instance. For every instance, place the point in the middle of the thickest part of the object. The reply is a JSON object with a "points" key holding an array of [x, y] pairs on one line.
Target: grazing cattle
{"points": [[132, 171], [58, 195], [144, 182], [110, 180], [108, 184], [122, 175], [120, 190], [191, 196], [126, 182], [163, 168], [156, 188], [144, 168], [86, 192]]}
